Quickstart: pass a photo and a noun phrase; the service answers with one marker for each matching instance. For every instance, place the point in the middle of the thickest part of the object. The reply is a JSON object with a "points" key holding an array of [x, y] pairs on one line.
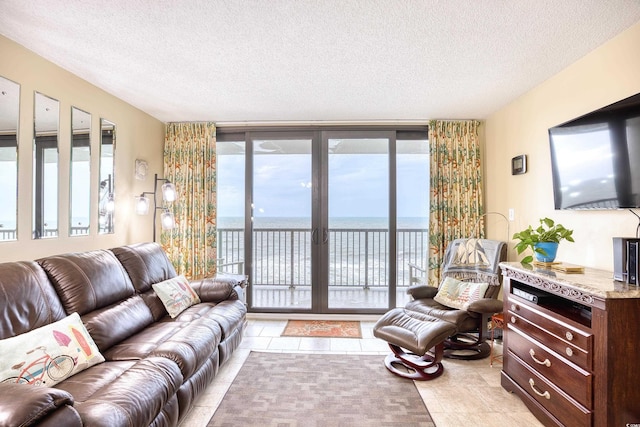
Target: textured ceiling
{"points": [[315, 60]]}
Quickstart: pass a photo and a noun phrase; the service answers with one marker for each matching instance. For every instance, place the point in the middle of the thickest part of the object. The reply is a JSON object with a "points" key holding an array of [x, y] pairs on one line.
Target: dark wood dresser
{"points": [[572, 346]]}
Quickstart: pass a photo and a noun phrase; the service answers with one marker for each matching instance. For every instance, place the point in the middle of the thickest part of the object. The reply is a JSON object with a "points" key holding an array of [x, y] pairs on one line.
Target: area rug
{"points": [[323, 328], [318, 390]]}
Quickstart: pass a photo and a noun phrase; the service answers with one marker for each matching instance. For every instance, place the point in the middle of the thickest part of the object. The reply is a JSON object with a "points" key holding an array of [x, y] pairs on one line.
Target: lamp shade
{"points": [[169, 192], [166, 220], [142, 205]]}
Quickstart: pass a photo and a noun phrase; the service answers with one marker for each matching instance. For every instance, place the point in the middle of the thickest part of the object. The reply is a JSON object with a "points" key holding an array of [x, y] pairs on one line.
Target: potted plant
{"points": [[543, 240]]}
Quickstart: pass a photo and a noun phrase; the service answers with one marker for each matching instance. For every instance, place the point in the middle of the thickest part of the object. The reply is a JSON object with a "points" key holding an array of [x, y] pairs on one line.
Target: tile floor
{"points": [[467, 394]]}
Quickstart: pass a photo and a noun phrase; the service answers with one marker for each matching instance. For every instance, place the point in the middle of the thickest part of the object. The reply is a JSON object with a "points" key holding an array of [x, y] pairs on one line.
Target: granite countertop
{"points": [[599, 283]]}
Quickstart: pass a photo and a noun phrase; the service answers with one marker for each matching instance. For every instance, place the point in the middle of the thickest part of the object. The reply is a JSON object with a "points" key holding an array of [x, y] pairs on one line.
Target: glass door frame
{"points": [[263, 134], [322, 288], [320, 136]]}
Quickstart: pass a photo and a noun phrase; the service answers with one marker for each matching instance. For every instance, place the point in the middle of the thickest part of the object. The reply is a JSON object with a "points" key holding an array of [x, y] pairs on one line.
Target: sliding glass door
{"points": [[319, 228], [282, 223], [357, 195]]}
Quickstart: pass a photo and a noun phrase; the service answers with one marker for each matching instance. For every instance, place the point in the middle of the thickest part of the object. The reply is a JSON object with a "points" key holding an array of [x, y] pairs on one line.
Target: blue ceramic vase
{"points": [[550, 248]]}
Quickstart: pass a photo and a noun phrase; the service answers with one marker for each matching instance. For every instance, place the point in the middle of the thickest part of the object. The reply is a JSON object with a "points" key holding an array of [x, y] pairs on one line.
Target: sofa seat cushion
{"points": [[188, 344], [124, 393], [229, 314]]}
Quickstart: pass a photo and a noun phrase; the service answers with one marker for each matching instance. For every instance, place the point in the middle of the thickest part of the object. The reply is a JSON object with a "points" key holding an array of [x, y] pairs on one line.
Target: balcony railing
{"points": [[8, 234], [357, 257], [12, 234]]}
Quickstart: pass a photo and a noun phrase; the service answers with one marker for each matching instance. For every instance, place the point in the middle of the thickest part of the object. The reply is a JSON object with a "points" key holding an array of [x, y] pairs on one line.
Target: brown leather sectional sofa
{"points": [[155, 366]]}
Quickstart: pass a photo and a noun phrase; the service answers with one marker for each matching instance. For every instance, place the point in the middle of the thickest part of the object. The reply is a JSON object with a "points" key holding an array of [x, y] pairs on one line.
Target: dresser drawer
{"points": [[549, 322], [568, 350], [572, 343], [569, 412], [576, 382]]}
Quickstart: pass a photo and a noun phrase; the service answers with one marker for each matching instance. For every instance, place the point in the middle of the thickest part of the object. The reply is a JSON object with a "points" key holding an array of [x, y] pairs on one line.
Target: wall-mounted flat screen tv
{"points": [[595, 159]]}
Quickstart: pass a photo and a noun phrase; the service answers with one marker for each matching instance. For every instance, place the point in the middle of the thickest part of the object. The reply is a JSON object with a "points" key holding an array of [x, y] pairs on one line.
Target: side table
{"points": [[497, 322]]}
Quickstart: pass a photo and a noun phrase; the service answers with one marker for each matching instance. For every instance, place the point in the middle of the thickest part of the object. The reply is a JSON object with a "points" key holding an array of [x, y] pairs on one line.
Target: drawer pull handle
{"points": [[569, 351], [546, 394], [513, 319], [569, 335], [513, 307], [546, 362]]}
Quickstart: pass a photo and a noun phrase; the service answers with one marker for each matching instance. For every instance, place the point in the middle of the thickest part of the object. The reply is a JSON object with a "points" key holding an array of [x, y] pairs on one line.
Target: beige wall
{"points": [[606, 75], [138, 136]]}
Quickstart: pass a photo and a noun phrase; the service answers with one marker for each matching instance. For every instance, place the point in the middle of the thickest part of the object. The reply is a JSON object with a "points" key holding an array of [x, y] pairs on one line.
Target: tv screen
{"points": [[595, 159]]}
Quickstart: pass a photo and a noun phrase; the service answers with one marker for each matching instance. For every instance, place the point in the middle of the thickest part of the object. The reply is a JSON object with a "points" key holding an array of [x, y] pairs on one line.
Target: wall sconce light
{"points": [[169, 194]]}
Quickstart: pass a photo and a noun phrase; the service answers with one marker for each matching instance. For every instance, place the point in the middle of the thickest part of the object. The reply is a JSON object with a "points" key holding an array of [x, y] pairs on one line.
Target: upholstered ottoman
{"points": [[418, 333]]}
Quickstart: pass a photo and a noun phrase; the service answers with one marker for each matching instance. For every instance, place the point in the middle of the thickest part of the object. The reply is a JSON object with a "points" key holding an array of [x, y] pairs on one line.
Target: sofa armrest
{"points": [[220, 287], [26, 405], [422, 291], [486, 306]]}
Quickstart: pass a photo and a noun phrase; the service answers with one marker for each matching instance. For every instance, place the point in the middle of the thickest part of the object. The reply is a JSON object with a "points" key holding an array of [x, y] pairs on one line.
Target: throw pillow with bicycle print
{"points": [[48, 355]]}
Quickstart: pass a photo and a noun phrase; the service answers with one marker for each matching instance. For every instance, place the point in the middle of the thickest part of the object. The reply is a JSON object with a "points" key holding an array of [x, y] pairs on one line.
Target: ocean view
{"points": [[343, 222], [358, 249]]}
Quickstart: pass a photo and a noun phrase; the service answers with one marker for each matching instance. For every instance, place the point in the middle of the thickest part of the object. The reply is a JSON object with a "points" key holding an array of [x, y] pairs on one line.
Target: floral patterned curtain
{"points": [[190, 163], [456, 187]]}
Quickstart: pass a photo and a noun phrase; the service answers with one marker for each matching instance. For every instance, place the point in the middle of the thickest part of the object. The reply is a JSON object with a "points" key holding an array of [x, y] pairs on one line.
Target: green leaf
{"points": [[540, 251], [547, 231]]}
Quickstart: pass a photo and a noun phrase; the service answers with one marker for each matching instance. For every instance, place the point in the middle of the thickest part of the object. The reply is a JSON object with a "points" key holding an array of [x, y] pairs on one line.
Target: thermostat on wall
{"points": [[519, 164], [141, 169]]}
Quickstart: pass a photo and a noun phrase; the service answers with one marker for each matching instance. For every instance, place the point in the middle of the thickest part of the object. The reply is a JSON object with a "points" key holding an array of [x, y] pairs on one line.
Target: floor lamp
{"points": [[169, 194], [107, 204]]}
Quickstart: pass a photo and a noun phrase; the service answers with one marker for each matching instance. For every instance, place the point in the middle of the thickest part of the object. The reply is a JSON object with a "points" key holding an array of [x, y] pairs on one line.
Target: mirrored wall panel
{"points": [[9, 109], [80, 173], [106, 204], [45, 166]]}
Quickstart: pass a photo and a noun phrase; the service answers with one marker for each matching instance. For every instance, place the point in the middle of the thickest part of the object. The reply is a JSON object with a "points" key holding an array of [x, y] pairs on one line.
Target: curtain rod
{"points": [[323, 123]]}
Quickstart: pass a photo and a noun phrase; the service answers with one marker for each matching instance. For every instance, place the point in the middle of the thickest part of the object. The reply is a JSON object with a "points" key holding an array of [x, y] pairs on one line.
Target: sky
{"points": [[358, 185]]}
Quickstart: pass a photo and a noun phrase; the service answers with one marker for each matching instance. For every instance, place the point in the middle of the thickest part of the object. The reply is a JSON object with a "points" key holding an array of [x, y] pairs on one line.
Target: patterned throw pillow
{"points": [[176, 294], [456, 294], [49, 354]]}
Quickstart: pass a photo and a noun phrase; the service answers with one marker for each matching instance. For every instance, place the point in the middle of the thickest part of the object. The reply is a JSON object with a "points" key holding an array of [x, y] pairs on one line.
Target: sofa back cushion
{"points": [[146, 264], [87, 281], [95, 285], [110, 325], [27, 299]]}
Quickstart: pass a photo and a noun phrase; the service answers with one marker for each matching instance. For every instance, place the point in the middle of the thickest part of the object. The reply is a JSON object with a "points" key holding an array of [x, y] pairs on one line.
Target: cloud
{"points": [[358, 185]]}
